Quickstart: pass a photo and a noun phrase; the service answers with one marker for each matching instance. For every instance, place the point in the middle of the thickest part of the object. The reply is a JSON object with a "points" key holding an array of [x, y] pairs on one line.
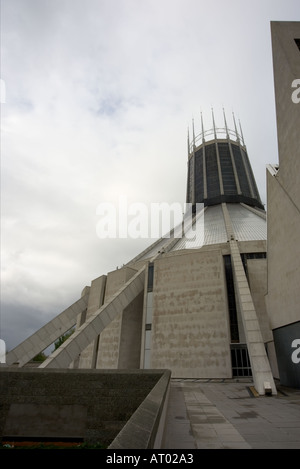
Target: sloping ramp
{"points": [[48, 334], [72, 347]]}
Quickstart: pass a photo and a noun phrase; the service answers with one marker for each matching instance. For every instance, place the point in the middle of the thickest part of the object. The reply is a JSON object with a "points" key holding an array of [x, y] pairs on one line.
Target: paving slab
{"points": [[225, 414]]}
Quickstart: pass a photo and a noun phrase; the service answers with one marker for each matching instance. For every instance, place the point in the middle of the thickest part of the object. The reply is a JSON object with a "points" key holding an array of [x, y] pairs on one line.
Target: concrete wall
{"points": [[88, 405], [130, 335], [283, 189], [257, 274], [283, 298], [283, 295], [283, 197], [258, 280], [118, 333], [189, 315], [119, 344], [286, 65], [190, 331], [96, 296], [145, 427]]}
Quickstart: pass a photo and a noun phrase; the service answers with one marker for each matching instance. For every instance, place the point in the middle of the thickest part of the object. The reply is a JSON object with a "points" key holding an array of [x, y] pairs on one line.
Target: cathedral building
{"points": [[193, 303], [218, 301]]}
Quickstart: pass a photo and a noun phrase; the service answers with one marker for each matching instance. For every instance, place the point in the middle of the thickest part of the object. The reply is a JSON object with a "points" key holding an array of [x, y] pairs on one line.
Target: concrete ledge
{"points": [[145, 427], [90, 406]]}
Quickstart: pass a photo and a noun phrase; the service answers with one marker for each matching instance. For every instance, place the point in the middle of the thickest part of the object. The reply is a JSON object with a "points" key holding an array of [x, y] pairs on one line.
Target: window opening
{"points": [[150, 277], [233, 321], [240, 360]]}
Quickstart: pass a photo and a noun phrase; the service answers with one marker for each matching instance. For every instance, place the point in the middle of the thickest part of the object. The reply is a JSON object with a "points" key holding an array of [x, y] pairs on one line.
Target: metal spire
{"points": [[242, 133], [202, 128], [236, 132], [213, 118], [193, 133], [226, 128]]}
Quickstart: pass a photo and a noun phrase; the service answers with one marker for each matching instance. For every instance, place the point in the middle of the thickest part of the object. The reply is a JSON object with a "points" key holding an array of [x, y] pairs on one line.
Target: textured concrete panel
{"points": [[145, 427], [108, 350], [286, 67], [91, 405], [190, 332], [66, 354], [96, 296], [130, 337], [45, 421], [283, 255]]}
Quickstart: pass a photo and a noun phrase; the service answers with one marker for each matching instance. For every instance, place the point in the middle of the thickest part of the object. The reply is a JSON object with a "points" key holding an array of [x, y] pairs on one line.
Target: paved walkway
{"points": [[216, 414]]}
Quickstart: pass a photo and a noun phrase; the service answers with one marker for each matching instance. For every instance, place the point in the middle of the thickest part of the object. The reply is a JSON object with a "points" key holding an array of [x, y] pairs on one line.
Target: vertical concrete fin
{"points": [[218, 156], [261, 370], [47, 334], [87, 358], [235, 172], [95, 324], [228, 223]]}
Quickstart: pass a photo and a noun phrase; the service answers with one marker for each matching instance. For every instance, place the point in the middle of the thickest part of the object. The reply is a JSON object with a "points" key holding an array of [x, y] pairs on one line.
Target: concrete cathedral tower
{"points": [[194, 305], [219, 169]]}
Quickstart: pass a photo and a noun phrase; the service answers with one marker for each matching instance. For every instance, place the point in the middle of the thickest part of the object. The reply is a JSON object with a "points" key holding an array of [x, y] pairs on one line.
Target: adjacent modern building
{"points": [[221, 300], [283, 199]]}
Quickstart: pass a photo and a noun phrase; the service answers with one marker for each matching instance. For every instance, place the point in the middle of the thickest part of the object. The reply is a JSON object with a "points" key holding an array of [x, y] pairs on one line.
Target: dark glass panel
{"points": [[227, 169], [150, 277], [212, 175], [199, 176], [234, 330], [242, 175]]}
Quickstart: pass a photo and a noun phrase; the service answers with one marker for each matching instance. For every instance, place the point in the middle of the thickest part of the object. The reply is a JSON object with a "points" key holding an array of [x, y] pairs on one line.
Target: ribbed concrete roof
{"points": [[249, 224]]}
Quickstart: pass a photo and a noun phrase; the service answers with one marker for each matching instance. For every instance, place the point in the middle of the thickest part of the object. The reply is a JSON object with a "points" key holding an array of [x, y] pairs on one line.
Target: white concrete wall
{"points": [[109, 343], [283, 197], [130, 336], [190, 331], [283, 298], [283, 188], [96, 295], [257, 273], [286, 66]]}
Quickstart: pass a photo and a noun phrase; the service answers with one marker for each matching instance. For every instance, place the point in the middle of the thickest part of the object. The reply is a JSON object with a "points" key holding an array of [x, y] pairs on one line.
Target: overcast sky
{"points": [[98, 98]]}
